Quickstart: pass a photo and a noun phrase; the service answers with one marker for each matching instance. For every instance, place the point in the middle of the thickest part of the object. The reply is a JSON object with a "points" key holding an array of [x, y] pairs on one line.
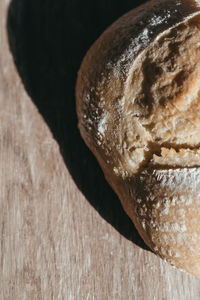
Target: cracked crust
{"points": [[138, 105]]}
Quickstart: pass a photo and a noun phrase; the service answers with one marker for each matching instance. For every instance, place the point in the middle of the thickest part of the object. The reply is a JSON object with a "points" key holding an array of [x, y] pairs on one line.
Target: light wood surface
{"points": [[64, 234]]}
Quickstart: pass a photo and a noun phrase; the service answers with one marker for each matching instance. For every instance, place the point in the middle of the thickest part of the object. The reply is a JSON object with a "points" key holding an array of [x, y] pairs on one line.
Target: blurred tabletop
{"points": [[64, 234]]}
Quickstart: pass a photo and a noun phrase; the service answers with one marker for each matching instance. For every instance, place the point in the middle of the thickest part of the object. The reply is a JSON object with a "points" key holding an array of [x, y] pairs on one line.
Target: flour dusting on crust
{"points": [[138, 106]]}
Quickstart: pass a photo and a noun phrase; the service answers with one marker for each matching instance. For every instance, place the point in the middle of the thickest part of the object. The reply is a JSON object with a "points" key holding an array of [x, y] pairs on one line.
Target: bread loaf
{"points": [[138, 106]]}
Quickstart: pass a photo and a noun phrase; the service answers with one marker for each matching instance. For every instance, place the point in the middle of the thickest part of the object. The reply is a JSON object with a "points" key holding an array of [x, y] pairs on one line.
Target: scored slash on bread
{"points": [[138, 106]]}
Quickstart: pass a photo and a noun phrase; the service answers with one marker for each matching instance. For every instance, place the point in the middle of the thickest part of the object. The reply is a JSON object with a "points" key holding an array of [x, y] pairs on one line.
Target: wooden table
{"points": [[64, 234]]}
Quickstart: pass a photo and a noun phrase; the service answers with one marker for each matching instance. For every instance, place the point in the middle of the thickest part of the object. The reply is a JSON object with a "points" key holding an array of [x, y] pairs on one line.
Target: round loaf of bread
{"points": [[138, 106]]}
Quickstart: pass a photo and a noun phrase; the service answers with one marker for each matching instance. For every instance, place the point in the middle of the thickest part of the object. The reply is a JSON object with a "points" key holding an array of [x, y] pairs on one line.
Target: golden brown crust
{"points": [[137, 99]]}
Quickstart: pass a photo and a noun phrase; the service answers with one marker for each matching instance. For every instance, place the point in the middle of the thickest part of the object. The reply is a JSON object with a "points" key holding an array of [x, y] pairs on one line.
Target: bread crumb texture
{"points": [[161, 107]]}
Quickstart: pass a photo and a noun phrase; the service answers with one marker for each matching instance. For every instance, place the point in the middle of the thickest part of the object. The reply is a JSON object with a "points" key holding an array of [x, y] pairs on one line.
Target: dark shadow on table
{"points": [[48, 40]]}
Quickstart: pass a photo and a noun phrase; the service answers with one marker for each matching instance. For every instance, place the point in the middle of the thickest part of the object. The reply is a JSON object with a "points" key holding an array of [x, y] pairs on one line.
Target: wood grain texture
{"points": [[64, 234]]}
